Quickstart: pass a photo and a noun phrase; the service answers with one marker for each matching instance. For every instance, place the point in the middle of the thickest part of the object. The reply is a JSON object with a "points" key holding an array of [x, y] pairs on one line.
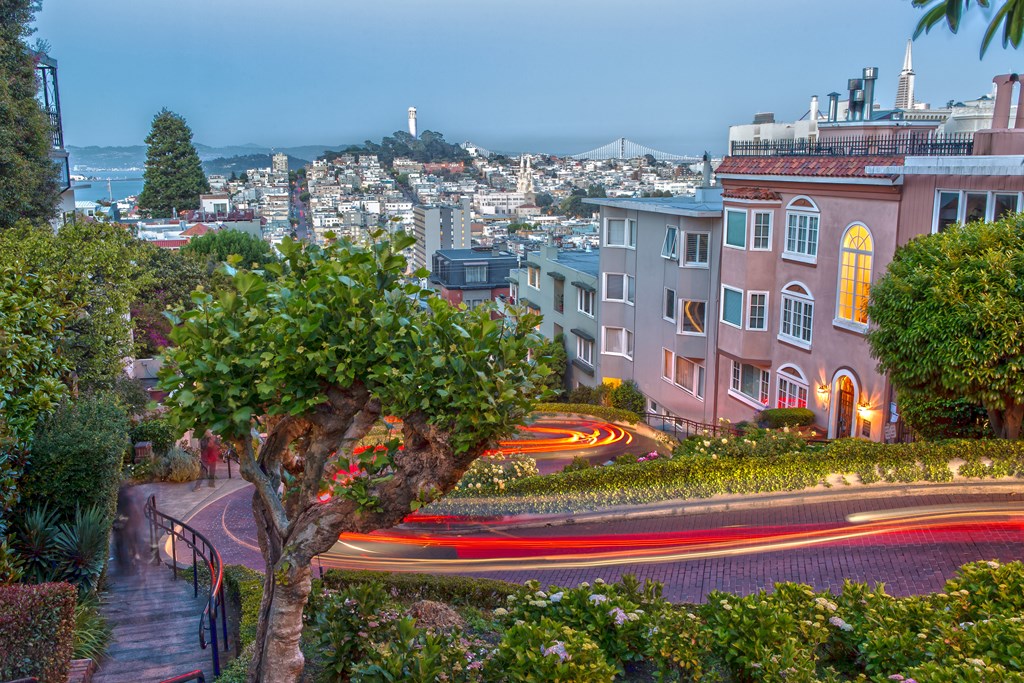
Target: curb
{"points": [[728, 504]]}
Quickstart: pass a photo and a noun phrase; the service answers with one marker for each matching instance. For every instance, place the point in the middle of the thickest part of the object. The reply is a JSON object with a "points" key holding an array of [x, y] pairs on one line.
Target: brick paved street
{"points": [[908, 561]]}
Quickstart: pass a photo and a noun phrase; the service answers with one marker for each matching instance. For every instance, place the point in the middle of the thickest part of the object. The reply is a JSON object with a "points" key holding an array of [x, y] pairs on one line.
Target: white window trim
{"points": [[754, 213], [740, 396], [675, 256], [580, 296], [626, 233], [625, 289], [767, 296], [604, 339], [675, 305], [961, 211], [679, 317], [683, 263], [800, 381], [697, 367], [803, 299], [725, 231], [721, 312], [801, 210], [852, 325], [580, 345], [530, 284]]}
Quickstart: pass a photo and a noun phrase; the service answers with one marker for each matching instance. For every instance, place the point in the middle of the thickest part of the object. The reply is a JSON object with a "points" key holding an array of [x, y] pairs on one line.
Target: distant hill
{"points": [[237, 164], [92, 159]]}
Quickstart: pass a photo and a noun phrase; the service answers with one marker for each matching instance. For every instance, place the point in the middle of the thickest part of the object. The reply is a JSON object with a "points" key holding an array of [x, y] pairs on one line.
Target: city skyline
{"points": [[509, 76]]}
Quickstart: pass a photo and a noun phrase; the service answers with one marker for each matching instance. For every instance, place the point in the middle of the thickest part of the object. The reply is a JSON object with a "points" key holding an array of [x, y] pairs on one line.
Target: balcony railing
{"points": [[956, 144]]}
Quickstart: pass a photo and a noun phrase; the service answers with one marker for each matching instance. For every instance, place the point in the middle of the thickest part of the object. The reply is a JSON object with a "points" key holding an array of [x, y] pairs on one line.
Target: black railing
{"points": [[681, 428], [202, 549], [56, 132], [955, 144]]}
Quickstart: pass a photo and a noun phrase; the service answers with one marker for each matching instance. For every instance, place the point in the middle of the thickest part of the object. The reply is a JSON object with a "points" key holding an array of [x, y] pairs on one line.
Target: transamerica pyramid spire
{"points": [[905, 87]]}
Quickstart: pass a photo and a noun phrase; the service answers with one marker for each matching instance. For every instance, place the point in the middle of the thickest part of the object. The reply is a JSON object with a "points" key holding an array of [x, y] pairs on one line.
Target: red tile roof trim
{"points": [[836, 167], [754, 193]]}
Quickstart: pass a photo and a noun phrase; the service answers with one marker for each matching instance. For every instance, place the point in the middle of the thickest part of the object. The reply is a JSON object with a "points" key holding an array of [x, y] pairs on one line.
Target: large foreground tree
{"points": [[949, 317], [1007, 20], [28, 176], [174, 176], [335, 340]]}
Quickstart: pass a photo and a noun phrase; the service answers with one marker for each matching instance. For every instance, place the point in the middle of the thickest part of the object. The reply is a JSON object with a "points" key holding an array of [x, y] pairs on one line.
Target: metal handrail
{"points": [[688, 428], [159, 524], [196, 675]]}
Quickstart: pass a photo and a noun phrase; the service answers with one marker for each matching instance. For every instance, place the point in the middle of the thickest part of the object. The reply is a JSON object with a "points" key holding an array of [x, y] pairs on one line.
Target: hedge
{"points": [[243, 588], [776, 418], [76, 458], [706, 475], [454, 590], [603, 412], [37, 628]]}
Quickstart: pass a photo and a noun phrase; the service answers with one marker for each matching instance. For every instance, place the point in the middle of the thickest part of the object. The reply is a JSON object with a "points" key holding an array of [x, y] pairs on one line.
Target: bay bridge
{"points": [[624, 148]]}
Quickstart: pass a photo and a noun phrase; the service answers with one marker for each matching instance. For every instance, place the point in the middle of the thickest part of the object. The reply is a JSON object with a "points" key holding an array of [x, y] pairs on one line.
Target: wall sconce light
{"points": [[863, 409], [823, 390]]}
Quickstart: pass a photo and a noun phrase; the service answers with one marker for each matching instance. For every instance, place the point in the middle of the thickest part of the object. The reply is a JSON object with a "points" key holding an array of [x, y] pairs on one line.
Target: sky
{"points": [[558, 76]]}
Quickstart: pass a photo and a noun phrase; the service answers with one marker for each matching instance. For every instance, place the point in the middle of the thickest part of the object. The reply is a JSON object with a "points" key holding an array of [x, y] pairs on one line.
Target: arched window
{"points": [[855, 274], [797, 316], [792, 391], [802, 230]]}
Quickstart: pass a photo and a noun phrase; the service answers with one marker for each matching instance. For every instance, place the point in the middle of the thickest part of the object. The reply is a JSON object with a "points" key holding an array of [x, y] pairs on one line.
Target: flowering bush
{"points": [[546, 650], [612, 620], [489, 475]]}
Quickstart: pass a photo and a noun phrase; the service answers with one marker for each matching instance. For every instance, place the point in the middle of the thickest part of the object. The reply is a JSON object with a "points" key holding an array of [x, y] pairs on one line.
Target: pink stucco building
{"points": [[808, 228]]}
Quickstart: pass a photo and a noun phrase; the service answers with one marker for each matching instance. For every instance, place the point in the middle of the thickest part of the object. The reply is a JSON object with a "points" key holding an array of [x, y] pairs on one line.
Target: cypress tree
{"points": [[28, 175], [174, 177]]}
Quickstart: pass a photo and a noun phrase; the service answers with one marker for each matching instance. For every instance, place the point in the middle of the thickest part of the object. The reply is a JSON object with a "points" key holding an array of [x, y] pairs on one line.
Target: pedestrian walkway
{"points": [[155, 625], [155, 620]]}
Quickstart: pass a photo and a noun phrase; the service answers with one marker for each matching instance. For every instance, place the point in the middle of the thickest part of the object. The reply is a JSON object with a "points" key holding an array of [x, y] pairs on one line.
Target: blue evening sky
{"points": [[513, 75]]}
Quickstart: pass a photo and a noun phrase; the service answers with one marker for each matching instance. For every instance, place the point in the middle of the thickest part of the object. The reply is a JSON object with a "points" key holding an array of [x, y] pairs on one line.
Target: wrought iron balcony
{"points": [[956, 144]]}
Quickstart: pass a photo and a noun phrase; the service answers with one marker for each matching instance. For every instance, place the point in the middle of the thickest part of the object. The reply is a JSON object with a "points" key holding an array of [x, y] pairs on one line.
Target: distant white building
{"points": [[279, 163]]}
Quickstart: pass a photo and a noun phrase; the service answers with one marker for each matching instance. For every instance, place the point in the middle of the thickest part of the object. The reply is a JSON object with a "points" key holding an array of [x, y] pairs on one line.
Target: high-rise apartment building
{"points": [[279, 163], [440, 227]]}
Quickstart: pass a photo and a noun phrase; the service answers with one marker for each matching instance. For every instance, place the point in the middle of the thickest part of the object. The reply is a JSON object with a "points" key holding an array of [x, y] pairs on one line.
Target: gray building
{"points": [[471, 276], [440, 227], [659, 298], [562, 287]]}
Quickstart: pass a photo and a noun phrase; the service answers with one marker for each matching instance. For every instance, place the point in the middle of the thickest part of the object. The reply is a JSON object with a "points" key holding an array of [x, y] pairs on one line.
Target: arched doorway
{"points": [[845, 395]]}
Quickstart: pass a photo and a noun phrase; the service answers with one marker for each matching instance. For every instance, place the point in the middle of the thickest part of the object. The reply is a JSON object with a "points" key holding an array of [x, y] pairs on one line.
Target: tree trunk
{"points": [[278, 656], [1006, 423]]}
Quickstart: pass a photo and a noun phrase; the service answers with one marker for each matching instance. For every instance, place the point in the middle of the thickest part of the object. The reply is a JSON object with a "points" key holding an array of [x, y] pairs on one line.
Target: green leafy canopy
{"points": [[1009, 16], [336, 316]]}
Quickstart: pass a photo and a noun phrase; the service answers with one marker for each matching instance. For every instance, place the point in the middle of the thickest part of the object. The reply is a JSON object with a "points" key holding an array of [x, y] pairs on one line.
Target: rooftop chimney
{"points": [[870, 76], [856, 108], [706, 171], [833, 107], [814, 108]]}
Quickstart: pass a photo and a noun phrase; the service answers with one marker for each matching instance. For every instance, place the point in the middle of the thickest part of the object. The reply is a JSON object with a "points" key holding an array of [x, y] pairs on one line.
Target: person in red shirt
{"points": [[209, 447]]}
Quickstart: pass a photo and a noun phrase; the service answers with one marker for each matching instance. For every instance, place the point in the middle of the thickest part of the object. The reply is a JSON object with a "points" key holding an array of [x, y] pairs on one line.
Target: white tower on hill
{"points": [[412, 121]]}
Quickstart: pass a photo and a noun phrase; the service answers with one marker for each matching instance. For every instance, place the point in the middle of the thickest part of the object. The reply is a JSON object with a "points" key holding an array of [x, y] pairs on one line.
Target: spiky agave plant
{"points": [[36, 542], [83, 545]]}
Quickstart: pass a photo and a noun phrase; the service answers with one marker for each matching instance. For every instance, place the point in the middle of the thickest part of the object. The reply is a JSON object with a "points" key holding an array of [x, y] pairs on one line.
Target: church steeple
{"points": [[905, 87], [525, 184]]}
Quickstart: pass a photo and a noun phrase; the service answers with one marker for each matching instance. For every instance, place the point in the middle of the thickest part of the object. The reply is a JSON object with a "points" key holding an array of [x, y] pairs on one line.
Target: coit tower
{"points": [[412, 121]]}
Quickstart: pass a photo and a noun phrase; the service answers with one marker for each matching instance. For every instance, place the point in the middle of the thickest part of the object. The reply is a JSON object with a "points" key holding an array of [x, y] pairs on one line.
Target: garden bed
{"points": [[374, 627]]}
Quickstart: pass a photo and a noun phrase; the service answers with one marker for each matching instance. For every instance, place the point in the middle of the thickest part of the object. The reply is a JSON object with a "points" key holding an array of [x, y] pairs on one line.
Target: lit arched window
{"points": [[855, 274], [792, 391]]}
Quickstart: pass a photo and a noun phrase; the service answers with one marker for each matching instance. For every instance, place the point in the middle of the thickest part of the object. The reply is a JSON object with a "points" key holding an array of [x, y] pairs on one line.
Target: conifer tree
{"points": [[28, 176], [174, 177]]}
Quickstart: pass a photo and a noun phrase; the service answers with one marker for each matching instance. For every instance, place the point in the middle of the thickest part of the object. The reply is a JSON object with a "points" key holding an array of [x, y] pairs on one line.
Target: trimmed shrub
{"points": [[588, 395], [490, 475], [454, 590], [76, 458], [37, 625], [546, 650], [576, 464], [157, 431], [627, 396], [777, 418], [601, 412]]}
